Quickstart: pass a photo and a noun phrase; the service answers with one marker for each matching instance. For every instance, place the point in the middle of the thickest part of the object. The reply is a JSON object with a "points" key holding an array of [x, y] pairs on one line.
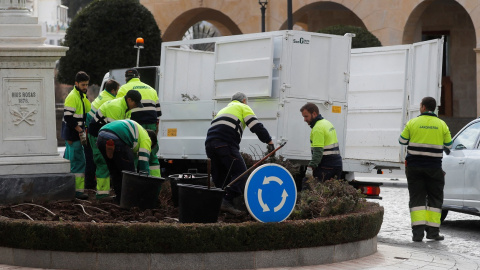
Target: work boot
{"points": [[227, 206], [417, 238], [436, 237], [81, 195]]}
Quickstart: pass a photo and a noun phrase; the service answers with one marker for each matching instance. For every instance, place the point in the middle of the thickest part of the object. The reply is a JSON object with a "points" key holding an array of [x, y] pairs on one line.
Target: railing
{"points": [[12, 4]]}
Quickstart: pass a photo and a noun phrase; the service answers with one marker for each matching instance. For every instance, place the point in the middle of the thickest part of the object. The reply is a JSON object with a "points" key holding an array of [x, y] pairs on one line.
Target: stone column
{"points": [[477, 73], [30, 166]]}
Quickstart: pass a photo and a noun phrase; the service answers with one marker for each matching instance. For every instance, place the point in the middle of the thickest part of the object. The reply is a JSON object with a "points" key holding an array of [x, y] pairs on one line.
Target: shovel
{"points": [[256, 164]]}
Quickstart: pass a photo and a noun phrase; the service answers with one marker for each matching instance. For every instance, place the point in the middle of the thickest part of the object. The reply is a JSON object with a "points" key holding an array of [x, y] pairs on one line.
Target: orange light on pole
{"points": [[138, 46], [139, 42]]}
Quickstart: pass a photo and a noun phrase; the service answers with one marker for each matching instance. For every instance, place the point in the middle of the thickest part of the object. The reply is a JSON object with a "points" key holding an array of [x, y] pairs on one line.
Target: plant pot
{"points": [[140, 190], [186, 178], [198, 204]]}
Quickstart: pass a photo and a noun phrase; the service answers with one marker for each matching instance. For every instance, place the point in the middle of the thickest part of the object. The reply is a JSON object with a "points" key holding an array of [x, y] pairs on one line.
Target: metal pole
{"points": [[289, 15], [138, 55], [263, 8]]}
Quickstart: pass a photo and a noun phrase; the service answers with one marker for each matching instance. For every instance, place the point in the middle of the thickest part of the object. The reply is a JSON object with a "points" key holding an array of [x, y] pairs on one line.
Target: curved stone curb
{"points": [[214, 260]]}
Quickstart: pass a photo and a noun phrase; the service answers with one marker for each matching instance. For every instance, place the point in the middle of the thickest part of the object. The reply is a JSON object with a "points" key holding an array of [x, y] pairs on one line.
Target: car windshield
{"points": [[468, 137]]}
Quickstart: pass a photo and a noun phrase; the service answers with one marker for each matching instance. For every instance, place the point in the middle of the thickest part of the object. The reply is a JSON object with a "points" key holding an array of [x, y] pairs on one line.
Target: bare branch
{"points": [[25, 215], [32, 204], [83, 210]]}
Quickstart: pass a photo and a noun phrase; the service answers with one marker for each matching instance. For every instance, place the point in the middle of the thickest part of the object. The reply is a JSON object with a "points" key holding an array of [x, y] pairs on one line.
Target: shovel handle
{"points": [[256, 164]]}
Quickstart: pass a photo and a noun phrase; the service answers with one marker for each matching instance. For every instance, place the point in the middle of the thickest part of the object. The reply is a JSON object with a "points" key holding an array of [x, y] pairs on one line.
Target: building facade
{"points": [[53, 17], [393, 22]]}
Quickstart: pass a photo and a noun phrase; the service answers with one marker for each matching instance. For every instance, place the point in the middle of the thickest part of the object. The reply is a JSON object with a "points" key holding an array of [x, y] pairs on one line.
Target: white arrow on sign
{"points": [[260, 200], [267, 180], [284, 198]]}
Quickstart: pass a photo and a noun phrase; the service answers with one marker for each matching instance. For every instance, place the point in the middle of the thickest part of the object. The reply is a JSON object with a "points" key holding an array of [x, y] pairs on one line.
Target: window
{"points": [[467, 138]]}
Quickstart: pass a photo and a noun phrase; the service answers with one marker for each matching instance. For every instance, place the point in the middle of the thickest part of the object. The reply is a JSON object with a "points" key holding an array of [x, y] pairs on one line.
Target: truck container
{"points": [[368, 94]]}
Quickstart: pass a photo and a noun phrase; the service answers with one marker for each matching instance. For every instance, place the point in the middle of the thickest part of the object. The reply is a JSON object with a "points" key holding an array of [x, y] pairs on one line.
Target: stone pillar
{"points": [[477, 73], [30, 166]]}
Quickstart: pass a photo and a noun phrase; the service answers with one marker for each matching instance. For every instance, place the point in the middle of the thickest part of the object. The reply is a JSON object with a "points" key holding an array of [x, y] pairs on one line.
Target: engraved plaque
{"points": [[24, 109]]}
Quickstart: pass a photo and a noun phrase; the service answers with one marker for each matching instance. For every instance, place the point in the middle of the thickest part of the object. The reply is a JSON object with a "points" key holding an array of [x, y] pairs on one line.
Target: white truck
{"points": [[368, 94]]}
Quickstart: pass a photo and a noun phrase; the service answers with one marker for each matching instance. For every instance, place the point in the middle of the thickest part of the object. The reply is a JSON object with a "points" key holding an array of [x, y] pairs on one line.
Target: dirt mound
{"points": [[96, 211]]}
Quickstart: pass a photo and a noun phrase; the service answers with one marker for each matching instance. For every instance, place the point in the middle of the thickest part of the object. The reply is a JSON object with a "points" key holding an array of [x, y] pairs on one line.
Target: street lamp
{"points": [[263, 7], [138, 46]]}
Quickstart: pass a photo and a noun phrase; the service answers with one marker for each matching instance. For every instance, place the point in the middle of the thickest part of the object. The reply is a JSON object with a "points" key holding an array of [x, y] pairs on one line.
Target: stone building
{"points": [[393, 22]]}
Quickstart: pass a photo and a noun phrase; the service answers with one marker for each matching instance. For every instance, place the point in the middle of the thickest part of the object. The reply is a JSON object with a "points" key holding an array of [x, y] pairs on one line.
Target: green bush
{"points": [[363, 38], [102, 37], [332, 197], [191, 238]]}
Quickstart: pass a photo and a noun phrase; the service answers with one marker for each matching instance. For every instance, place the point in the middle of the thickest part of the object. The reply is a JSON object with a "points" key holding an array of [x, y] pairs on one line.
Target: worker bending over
{"points": [[108, 112], [123, 144]]}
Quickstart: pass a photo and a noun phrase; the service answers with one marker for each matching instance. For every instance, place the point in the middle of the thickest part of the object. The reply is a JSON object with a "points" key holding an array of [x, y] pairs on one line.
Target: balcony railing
{"points": [[12, 4]]}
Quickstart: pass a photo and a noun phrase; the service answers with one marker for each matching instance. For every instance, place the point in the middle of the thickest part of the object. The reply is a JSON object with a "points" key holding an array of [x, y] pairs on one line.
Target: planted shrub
{"points": [[332, 197]]}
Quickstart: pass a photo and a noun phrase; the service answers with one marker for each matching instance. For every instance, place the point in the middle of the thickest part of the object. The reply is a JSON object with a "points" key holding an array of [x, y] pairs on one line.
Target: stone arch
{"points": [[315, 16], [177, 28], [451, 19]]}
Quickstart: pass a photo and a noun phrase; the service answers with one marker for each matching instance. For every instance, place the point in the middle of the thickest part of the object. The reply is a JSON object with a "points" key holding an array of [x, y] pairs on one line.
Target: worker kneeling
{"points": [[123, 144]]}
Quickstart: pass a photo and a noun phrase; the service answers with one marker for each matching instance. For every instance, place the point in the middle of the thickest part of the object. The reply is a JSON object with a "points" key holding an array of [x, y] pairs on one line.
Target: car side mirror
{"points": [[460, 147], [446, 150]]}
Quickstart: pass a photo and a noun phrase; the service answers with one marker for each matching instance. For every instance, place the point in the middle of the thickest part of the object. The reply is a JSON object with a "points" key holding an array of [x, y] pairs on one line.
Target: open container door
{"points": [[426, 77], [426, 74], [244, 66], [376, 102], [186, 91], [247, 66]]}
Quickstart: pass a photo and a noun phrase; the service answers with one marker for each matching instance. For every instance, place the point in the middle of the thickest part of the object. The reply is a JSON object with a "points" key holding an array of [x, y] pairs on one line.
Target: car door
{"points": [[465, 145], [471, 192]]}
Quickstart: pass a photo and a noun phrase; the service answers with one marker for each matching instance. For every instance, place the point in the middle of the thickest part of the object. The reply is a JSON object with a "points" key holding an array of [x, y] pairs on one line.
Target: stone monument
{"points": [[30, 166]]}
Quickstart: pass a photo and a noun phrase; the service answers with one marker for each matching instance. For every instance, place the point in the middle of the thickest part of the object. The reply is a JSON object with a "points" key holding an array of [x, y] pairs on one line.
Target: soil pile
{"points": [[96, 211]]}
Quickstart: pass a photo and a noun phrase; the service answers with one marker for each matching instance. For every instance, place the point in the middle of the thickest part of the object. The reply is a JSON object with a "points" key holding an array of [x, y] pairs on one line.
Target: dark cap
{"points": [[131, 72], [136, 97]]}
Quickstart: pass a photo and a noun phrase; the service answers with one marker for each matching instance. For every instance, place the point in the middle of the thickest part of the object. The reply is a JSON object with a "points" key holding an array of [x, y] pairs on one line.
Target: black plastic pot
{"points": [[199, 179], [140, 190], [198, 204]]}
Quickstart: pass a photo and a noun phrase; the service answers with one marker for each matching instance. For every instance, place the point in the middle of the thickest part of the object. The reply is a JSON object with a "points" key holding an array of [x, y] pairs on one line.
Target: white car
{"points": [[462, 167]]}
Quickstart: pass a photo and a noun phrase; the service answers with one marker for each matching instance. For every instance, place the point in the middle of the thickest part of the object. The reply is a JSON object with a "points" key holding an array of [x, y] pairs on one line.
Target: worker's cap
{"points": [[136, 97], [131, 72]]}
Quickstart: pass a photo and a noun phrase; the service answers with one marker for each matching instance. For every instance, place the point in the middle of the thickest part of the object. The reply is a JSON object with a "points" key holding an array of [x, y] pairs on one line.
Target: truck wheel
{"points": [[444, 215]]}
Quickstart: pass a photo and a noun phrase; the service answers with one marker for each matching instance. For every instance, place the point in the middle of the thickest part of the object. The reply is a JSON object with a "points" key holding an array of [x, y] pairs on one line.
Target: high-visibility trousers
{"points": [[425, 187], [101, 172], [74, 153], [154, 164]]}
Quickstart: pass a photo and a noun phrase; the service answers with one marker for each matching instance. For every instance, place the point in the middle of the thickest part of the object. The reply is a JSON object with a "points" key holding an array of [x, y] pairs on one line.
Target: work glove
{"points": [[270, 149], [83, 138], [309, 173]]}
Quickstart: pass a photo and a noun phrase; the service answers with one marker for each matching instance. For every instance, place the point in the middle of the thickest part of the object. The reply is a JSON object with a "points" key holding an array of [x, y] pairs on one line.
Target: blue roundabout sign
{"points": [[270, 193]]}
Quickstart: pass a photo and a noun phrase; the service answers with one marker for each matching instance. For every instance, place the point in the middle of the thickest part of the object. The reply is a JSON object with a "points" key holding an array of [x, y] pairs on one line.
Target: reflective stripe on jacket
{"points": [[324, 135], [425, 135], [74, 114], [109, 111], [151, 110], [230, 122], [136, 137], [103, 97]]}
